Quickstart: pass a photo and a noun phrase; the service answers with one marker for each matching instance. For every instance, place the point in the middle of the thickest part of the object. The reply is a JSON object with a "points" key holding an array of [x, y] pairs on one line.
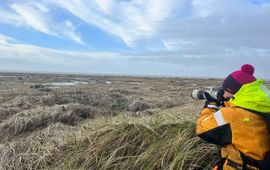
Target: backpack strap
{"points": [[247, 161], [266, 163]]}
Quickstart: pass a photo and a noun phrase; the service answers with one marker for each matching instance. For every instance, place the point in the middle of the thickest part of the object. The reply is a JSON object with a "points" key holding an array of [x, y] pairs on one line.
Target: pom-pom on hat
{"points": [[235, 80]]}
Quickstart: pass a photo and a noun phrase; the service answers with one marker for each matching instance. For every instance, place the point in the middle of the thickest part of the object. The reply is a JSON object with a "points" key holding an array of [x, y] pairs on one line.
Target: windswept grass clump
{"points": [[110, 101], [41, 117], [161, 141], [37, 151], [137, 145], [139, 105], [6, 112], [27, 120]]}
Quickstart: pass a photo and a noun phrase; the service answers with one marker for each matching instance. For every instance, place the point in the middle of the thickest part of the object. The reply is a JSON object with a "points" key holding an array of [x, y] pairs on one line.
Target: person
{"points": [[239, 125]]}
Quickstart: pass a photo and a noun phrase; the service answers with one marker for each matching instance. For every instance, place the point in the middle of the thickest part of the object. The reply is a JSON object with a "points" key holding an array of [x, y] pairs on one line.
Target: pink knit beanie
{"points": [[236, 79]]}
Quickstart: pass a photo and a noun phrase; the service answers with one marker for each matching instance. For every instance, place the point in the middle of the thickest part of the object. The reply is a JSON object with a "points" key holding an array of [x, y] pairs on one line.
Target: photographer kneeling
{"points": [[241, 125]]}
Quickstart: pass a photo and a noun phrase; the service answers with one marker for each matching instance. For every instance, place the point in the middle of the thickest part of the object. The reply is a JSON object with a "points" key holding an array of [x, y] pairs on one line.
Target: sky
{"points": [[186, 38]]}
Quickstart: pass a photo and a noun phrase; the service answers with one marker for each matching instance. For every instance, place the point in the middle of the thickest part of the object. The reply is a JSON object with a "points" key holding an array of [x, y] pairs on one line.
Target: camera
{"points": [[214, 92]]}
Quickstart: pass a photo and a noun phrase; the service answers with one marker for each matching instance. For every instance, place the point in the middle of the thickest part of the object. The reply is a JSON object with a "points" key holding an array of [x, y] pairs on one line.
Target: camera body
{"points": [[214, 92]]}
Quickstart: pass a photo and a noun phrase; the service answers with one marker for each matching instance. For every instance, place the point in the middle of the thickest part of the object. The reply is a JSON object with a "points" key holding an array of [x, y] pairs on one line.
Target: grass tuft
{"points": [[136, 145]]}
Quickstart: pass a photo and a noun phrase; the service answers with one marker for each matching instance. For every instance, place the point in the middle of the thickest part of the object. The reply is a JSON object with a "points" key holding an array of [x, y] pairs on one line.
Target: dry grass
{"points": [[38, 150], [28, 120], [162, 141], [137, 146], [132, 123]]}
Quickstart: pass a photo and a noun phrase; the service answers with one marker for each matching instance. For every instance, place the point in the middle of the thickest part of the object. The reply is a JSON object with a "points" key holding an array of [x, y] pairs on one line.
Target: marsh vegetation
{"points": [[56, 122]]}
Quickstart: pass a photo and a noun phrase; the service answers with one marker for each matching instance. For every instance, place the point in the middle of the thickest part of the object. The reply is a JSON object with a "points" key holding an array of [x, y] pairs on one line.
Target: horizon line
{"points": [[105, 74]]}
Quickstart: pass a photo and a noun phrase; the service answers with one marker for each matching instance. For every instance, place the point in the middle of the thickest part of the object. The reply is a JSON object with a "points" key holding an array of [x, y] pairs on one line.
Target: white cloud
{"points": [[46, 55], [106, 6], [178, 44], [159, 24], [11, 49], [37, 16], [150, 24], [129, 20], [9, 17], [4, 40], [33, 18]]}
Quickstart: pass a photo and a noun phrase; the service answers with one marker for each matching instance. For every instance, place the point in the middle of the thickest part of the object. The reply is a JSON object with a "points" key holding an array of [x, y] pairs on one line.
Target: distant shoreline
{"points": [[103, 74], [110, 74]]}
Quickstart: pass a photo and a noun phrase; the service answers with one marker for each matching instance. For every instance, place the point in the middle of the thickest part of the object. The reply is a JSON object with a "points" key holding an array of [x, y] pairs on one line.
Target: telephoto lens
{"points": [[198, 94], [214, 92]]}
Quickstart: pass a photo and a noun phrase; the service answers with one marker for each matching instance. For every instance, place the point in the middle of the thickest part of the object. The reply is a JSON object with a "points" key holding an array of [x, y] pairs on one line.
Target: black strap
{"points": [[266, 162], [249, 161], [220, 163], [234, 165]]}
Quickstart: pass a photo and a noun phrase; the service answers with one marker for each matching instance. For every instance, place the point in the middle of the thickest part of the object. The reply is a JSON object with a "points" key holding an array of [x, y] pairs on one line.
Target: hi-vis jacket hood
{"points": [[254, 96]]}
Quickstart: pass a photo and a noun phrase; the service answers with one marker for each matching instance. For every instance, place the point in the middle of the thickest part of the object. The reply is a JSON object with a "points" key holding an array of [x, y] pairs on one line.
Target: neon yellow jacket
{"points": [[254, 96]]}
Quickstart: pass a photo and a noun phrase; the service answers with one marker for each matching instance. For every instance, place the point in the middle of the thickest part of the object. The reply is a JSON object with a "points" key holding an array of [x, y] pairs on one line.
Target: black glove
{"points": [[211, 102]]}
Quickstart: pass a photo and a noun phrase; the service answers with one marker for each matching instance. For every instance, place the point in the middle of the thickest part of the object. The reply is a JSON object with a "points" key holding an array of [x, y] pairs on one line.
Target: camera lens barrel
{"points": [[215, 93], [198, 94]]}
